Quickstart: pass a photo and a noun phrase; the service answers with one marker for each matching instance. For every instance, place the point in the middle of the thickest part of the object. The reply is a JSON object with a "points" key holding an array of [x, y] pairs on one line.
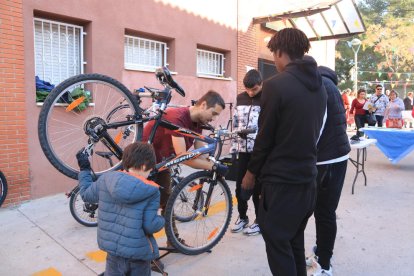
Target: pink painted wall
{"points": [[105, 22]]}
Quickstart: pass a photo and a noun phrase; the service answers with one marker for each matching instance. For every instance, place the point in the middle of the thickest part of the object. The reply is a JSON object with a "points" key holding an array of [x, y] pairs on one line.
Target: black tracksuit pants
{"points": [[283, 215], [330, 181], [242, 205]]}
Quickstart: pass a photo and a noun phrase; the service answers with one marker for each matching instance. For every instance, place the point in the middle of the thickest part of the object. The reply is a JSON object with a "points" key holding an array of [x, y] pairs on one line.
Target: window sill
{"points": [[213, 77], [61, 104], [145, 70]]}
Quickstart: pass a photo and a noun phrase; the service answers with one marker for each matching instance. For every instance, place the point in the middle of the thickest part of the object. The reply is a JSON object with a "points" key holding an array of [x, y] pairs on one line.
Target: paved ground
{"points": [[375, 234]]}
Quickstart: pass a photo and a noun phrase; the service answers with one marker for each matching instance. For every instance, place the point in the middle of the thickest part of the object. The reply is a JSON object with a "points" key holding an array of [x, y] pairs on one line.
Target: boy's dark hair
{"points": [[252, 78], [291, 41], [378, 85], [138, 154], [211, 98]]}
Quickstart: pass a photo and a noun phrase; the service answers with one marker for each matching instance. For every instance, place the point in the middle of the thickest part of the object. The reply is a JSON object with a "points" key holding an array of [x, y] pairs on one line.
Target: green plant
{"points": [[78, 93]]}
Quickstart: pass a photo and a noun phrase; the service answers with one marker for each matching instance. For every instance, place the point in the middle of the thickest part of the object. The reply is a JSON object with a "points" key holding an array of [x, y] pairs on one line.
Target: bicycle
{"points": [[3, 188], [62, 128], [87, 213]]}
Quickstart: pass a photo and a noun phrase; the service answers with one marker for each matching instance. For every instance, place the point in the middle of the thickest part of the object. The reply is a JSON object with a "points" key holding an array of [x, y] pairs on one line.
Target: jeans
{"points": [[119, 266], [330, 181], [379, 120]]}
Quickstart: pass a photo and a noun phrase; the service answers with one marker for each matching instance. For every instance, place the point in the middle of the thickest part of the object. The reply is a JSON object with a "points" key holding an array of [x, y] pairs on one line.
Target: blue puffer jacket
{"points": [[128, 217]]}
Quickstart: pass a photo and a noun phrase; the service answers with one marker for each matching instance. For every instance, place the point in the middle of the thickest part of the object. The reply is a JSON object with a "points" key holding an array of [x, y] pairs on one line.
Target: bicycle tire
{"points": [[190, 212], [206, 230], [61, 130], [3, 188], [83, 213]]}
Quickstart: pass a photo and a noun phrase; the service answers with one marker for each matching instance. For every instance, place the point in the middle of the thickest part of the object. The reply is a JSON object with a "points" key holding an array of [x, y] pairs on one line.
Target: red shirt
{"points": [[345, 100], [162, 141], [358, 107]]}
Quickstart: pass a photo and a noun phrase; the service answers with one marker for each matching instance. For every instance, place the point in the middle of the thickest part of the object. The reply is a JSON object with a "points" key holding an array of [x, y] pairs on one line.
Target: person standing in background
{"points": [[246, 117], [393, 113], [351, 118], [379, 102], [359, 111], [346, 102], [408, 101], [408, 105]]}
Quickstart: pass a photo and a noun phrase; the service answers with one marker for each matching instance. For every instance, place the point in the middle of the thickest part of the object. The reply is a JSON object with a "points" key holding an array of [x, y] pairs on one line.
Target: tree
{"points": [[387, 45]]}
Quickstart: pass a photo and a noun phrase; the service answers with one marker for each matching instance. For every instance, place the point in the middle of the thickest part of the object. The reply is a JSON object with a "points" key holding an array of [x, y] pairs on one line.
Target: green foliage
{"points": [[41, 95], [77, 93], [387, 45]]}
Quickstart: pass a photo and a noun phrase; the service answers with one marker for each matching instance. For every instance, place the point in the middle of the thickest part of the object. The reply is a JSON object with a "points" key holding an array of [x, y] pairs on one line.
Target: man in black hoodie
{"points": [[333, 149], [293, 106]]}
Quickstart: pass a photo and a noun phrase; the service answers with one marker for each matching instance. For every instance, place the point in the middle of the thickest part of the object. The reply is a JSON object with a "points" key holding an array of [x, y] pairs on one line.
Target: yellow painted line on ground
{"points": [[100, 256], [160, 234], [48, 272]]}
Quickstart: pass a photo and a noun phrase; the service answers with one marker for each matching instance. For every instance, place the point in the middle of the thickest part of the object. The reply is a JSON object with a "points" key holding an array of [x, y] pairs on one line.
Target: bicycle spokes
{"points": [[210, 221]]}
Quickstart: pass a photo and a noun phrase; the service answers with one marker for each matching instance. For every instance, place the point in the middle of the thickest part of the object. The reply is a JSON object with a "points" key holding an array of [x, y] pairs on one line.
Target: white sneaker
{"points": [[252, 230], [239, 225], [319, 271], [312, 259]]}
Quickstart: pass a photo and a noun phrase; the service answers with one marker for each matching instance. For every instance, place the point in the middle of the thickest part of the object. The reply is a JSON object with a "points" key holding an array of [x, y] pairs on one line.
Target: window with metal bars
{"points": [[210, 63], [144, 54], [58, 49]]}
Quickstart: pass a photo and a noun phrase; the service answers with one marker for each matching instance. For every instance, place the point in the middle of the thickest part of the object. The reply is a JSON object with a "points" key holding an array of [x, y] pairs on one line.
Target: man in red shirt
{"points": [[166, 142]]}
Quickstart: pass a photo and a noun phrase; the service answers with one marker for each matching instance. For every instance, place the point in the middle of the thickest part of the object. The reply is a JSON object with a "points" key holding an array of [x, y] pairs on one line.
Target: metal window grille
{"points": [[58, 49], [210, 63], [144, 54]]}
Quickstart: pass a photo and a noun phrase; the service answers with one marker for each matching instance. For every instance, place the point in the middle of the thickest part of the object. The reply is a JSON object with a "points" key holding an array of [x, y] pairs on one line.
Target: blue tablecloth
{"points": [[394, 143]]}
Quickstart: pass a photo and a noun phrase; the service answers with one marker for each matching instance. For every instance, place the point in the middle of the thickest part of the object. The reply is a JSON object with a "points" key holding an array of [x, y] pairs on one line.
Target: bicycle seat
{"points": [[165, 78]]}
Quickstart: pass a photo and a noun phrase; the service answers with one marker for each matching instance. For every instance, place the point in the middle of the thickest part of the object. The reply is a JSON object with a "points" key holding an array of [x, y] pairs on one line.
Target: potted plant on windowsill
{"points": [[79, 99]]}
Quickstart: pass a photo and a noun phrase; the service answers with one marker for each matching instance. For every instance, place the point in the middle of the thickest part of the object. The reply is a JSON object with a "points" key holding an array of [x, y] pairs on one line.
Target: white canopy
{"points": [[320, 20]]}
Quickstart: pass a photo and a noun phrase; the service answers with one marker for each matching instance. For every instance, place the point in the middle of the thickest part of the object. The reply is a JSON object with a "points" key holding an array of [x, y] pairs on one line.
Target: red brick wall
{"points": [[13, 132], [248, 52]]}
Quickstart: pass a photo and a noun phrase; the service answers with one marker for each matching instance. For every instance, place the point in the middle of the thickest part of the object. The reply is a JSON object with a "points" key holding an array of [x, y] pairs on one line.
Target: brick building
{"points": [[58, 39]]}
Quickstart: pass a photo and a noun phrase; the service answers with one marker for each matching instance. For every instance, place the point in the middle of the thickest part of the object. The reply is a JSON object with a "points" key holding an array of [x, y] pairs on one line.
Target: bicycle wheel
{"points": [[209, 226], [3, 188], [188, 204], [82, 102], [85, 213]]}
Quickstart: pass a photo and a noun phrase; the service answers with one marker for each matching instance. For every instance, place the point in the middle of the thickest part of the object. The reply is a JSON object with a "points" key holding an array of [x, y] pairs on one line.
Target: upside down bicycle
{"points": [[64, 127]]}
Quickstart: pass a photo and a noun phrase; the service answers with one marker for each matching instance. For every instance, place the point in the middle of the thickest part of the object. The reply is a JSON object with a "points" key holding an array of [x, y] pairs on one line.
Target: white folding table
{"points": [[359, 163]]}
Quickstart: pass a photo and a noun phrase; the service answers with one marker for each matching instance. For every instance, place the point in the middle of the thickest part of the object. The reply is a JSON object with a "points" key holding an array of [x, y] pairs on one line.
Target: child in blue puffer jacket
{"points": [[128, 205]]}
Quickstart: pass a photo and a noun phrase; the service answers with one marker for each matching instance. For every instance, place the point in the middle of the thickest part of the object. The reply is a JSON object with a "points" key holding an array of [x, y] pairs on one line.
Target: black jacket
{"points": [[293, 105], [334, 141], [407, 104]]}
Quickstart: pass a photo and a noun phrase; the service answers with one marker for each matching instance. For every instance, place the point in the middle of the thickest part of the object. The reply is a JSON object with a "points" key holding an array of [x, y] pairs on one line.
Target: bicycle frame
{"points": [[100, 134]]}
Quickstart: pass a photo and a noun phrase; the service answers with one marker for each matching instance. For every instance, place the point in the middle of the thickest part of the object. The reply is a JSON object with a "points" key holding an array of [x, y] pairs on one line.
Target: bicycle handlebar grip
{"points": [[207, 127], [247, 131], [145, 95]]}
